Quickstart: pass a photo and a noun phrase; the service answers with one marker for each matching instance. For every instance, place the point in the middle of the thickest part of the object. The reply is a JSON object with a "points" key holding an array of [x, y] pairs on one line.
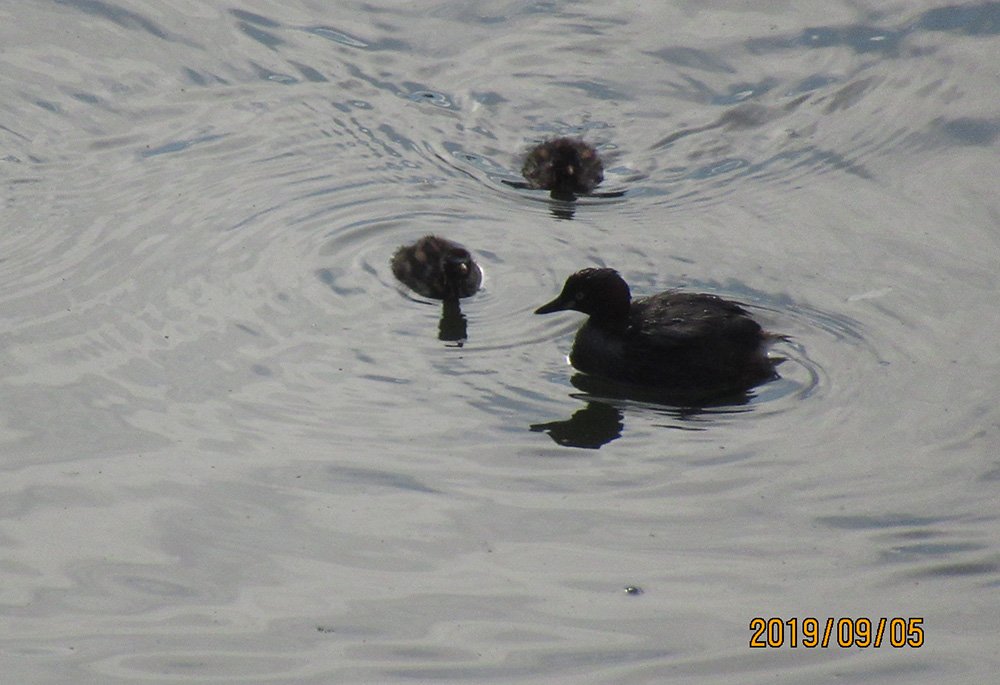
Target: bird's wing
{"points": [[673, 320]]}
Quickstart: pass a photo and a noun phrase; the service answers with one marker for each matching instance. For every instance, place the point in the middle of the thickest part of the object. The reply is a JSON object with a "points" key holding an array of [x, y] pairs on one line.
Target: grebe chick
{"points": [[437, 268]]}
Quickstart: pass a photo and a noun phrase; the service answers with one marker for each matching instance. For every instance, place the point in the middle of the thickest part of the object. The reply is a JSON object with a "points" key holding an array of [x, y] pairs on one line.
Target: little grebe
{"points": [[685, 342]]}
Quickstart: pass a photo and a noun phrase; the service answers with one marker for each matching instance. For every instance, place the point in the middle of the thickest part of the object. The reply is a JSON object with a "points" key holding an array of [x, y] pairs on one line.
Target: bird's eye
{"points": [[580, 295]]}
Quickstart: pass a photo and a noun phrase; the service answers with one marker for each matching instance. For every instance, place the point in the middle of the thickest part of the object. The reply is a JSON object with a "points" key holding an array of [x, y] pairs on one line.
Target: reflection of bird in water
{"points": [[691, 344], [437, 268], [565, 166], [592, 427], [453, 326]]}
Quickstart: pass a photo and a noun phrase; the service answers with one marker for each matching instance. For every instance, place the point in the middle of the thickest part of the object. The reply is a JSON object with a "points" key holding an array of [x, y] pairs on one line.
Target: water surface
{"points": [[235, 450]]}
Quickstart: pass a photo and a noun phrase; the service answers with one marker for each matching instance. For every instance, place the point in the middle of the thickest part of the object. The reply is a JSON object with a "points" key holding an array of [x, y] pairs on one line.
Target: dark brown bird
{"points": [[565, 166], [683, 342], [437, 268]]}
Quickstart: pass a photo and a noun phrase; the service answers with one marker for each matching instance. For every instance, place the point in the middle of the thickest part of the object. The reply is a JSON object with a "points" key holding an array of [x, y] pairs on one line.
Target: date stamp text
{"points": [[861, 632]]}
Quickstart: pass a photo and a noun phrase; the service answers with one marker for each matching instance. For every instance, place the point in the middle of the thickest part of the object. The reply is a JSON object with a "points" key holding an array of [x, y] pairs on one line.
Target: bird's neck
{"points": [[612, 319]]}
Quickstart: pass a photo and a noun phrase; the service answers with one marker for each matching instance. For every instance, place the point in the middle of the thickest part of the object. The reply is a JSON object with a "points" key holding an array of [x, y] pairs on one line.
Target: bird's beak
{"points": [[460, 266], [556, 305]]}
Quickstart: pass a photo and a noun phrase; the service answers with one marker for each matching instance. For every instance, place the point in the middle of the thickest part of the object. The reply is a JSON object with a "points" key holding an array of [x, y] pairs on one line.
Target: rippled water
{"points": [[235, 450]]}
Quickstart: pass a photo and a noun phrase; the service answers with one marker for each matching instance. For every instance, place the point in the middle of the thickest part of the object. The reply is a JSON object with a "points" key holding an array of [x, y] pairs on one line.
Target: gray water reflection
{"points": [[233, 452]]}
